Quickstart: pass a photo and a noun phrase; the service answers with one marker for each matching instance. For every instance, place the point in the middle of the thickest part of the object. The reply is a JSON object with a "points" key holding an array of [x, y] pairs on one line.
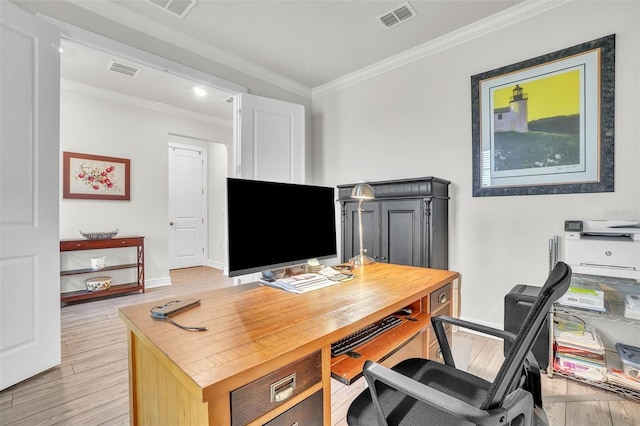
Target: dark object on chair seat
{"points": [[422, 392]]}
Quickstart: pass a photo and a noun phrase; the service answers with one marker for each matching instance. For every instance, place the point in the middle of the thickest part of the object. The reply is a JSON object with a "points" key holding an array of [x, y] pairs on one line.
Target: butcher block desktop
{"points": [[265, 357]]}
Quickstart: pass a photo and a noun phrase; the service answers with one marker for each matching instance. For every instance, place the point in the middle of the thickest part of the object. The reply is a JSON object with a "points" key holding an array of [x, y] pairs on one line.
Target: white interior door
{"points": [[271, 139], [29, 193], [186, 206]]}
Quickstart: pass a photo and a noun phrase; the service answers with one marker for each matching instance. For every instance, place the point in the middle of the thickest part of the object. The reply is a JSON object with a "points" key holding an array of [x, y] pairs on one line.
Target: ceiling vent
{"points": [[176, 7], [396, 15], [125, 69]]}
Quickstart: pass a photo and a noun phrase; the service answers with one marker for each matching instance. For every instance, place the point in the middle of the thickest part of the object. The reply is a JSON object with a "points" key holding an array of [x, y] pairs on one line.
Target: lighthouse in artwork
{"points": [[514, 117]]}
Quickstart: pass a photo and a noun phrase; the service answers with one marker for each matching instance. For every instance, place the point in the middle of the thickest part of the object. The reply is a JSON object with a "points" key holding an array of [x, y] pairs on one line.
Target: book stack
{"points": [[579, 351], [632, 306], [585, 295], [618, 377]]}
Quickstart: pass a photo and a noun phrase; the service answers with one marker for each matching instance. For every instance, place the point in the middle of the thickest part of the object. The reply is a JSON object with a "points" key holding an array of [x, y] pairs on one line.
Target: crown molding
{"points": [[506, 18], [108, 9], [109, 95]]}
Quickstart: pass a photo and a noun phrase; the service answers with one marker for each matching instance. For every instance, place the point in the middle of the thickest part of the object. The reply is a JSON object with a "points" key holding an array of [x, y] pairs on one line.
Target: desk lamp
{"points": [[361, 192]]}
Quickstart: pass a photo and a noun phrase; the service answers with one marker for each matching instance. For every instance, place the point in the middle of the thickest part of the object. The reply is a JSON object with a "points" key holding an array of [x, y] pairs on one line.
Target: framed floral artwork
{"points": [[546, 125], [95, 177]]}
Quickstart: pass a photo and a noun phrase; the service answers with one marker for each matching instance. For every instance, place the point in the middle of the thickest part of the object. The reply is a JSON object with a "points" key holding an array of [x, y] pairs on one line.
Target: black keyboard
{"points": [[364, 335]]}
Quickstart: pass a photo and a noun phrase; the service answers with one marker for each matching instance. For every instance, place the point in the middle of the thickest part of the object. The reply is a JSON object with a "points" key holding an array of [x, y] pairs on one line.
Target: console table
{"points": [[266, 357], [134, 241]]}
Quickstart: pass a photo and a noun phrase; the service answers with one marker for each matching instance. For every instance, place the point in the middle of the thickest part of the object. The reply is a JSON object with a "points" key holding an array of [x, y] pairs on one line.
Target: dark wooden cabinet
{"points": [[406, 223]]}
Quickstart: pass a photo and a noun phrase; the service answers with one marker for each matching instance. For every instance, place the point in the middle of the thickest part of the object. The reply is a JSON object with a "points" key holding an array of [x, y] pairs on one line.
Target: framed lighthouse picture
{"points": [[545, 125]]}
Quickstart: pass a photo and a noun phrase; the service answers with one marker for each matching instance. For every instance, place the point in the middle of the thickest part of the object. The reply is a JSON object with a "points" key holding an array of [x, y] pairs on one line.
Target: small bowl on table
{"points": [[98, 283], [99, 235]]}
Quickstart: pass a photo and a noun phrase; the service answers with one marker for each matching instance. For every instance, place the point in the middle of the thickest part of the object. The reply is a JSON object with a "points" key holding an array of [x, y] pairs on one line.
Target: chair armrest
{"points": [[519, 401], [445, 348], [474, 326]]}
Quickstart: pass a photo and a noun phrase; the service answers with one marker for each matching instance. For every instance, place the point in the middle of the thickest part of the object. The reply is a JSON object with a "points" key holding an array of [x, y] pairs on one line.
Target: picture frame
{"points": [[95, 177], [546, 125]]}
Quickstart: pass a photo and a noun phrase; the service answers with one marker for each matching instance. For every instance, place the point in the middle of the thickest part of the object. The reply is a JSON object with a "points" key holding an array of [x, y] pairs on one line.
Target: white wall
{"points": [[416, 121], [217, 204], [96, 125]]}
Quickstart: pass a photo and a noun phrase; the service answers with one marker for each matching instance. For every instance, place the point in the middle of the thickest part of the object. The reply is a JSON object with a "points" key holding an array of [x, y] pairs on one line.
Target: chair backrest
{"points": [[511, 370]]}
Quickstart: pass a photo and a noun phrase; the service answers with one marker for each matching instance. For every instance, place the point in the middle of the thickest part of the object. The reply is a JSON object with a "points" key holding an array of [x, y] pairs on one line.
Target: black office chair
{"points": [[422, 392]]}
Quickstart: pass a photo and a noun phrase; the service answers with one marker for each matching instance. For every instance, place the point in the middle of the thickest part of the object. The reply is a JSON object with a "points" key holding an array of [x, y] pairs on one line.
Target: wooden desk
{"points": [[254, 332]]}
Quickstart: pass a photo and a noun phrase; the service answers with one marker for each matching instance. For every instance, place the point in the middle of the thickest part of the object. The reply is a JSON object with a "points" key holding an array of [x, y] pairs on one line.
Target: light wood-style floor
{"points": [[90, 386]]}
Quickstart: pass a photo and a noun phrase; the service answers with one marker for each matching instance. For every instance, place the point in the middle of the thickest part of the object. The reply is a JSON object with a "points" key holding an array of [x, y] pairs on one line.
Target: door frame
{"points": [[95, 41], [205, 196], [105, 44]]}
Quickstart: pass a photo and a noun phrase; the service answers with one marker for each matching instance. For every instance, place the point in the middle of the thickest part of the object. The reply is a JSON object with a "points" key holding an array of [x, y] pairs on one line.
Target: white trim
{"points": [[217, 265], [141, 103], [506, 18], [157, 282], [496, 22], [105, 44]]}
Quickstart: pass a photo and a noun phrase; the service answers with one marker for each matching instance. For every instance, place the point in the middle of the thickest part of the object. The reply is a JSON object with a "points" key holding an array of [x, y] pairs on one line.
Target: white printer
{"points": [[603, 247], [596, 249]]}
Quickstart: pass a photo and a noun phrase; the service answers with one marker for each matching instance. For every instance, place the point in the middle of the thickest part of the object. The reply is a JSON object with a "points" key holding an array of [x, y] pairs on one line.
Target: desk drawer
{"points": [[73, 245], [305, 413], [263, 395], [439, 298]]}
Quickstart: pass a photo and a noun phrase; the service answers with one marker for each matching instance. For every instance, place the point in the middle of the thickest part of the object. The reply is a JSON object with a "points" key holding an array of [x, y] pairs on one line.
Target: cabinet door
{"points": [[402, 232], [370, 230]]}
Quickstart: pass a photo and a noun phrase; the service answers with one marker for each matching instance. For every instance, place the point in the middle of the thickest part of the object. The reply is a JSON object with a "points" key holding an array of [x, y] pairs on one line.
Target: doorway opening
{"points": [[88, 69]]}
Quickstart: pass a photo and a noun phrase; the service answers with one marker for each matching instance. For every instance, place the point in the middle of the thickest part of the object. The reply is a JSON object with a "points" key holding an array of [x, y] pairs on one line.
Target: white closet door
{"points": [[272, 145], [29, 194], [186, 208]]}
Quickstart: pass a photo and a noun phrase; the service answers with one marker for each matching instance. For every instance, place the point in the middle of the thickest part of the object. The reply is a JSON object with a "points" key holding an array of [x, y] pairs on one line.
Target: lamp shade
{"points": [[362, 191]]}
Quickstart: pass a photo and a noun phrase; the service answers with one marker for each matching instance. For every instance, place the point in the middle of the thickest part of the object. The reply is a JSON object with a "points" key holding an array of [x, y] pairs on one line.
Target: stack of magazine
{"points": [[619, 378], [579, 351], [632, 306]]}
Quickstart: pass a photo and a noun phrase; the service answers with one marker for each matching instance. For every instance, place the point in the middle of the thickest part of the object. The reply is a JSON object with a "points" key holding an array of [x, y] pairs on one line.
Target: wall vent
{"points": [[396, 15], [125, 69], [176, 7]]}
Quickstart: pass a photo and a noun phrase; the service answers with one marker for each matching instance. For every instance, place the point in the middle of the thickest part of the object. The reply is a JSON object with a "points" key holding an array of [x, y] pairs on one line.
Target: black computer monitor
{"points": [[273, 225]]}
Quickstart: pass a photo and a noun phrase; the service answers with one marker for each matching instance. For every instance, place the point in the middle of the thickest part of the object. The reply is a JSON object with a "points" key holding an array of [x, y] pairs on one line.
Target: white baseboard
{"points": [[157, 282], [215, 264]]}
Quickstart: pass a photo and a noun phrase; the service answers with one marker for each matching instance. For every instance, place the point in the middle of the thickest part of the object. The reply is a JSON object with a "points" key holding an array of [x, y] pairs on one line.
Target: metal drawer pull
{"points": [[442, 298], [283, 388]]}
